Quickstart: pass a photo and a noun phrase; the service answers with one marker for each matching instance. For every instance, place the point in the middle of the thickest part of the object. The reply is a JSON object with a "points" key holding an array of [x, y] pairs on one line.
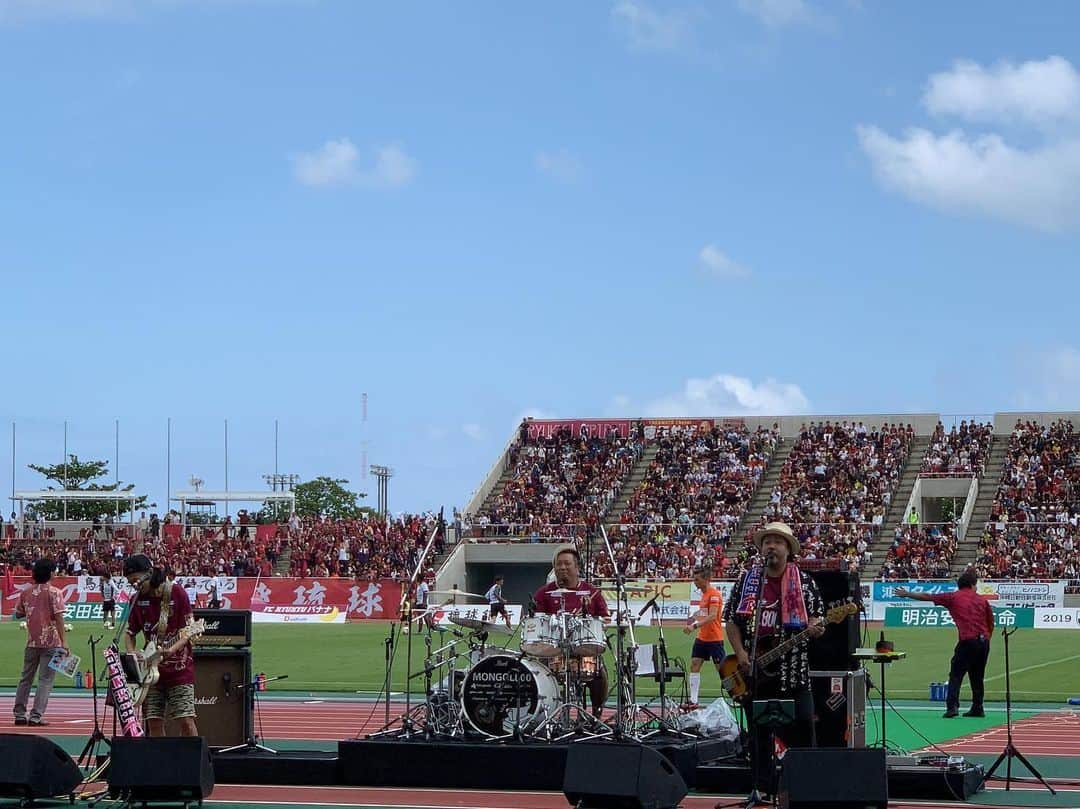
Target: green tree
{"points": [[77, 475], [327, 497]]}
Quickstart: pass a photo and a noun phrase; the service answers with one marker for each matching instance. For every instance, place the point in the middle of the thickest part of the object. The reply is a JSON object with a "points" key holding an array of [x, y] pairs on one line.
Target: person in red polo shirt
{"points": [[975, 624]]}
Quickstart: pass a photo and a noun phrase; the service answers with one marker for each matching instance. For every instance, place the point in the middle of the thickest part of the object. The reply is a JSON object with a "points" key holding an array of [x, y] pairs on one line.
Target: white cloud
{"points": [[1038, 93], [1036, 186], [718, 264], [560, 165], [474, 431], [651, 30], [1039, 188], [777, 13], [1051, 379], [335, 163], [729, 395]]}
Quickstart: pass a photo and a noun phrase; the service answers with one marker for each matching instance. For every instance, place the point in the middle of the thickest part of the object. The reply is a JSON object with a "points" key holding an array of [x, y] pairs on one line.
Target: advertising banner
{"points": [[939, 616], [1007, 593], [476, 612], [357, 600], [579, 428], [1057, 618], [274, 614]]}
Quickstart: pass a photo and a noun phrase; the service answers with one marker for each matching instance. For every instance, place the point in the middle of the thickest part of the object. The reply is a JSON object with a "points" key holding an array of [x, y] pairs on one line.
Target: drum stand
{"points": [[663, 674]]}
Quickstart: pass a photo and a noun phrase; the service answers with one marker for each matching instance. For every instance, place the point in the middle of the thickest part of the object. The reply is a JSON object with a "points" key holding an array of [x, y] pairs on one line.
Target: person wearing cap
{"points": [[580, 597], [790, 604], [160, 609], [42, 605]]}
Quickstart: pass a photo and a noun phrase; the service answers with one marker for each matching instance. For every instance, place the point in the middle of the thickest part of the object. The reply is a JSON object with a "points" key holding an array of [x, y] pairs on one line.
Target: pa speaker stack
{"points": [[609, 775], [34, 767]]}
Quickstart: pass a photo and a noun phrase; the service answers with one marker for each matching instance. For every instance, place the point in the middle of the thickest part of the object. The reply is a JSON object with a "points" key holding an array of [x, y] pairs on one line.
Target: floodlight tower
{"points": [[382, 479]]}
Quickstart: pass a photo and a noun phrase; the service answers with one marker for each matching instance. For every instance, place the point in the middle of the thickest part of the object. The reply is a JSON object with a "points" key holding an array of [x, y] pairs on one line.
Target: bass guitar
{"points": [[733, 680]]}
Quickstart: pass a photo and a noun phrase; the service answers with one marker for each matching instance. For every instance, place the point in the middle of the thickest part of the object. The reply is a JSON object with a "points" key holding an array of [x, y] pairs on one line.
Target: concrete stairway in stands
{"points": [[763, 492], [988, 486], [912, 466]]}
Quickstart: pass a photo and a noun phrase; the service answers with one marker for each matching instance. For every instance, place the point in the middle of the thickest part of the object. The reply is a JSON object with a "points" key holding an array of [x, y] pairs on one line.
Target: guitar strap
{"points": [[166, 608]]}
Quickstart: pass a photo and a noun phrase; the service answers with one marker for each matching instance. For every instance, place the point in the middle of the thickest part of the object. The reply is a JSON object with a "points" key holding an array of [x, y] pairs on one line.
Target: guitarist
{"points": [[160, 609], [790, 604]]}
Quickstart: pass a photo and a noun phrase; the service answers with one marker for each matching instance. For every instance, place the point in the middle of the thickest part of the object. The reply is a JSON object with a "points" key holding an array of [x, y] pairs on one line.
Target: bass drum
{"points": [[502, 690]]}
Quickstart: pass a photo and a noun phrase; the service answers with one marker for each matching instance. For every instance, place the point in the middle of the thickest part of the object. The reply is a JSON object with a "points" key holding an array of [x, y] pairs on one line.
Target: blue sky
{"points": [[263, 209]]}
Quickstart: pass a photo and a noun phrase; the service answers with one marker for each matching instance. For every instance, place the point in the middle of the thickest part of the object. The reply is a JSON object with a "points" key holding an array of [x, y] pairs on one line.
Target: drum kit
{"points": [[477, 687]]}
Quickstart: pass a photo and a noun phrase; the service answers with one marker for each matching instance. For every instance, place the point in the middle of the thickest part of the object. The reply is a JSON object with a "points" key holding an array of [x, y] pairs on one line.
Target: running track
{"points": [[1055, 733]]}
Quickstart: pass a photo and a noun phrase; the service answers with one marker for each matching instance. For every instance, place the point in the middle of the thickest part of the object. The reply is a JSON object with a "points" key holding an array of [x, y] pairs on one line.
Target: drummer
{"points": [[583, 598]]}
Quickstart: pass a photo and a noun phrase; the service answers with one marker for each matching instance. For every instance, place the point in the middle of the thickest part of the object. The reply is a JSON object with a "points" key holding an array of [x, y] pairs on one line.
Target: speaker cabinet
{"points": [[222, 699], [602, 775], [833, 779], [834, 650], [176, 769], [35, 767]]}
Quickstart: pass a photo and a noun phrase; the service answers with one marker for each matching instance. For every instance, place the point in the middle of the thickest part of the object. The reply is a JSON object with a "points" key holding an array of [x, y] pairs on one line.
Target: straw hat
{"points": [[779, 529]]}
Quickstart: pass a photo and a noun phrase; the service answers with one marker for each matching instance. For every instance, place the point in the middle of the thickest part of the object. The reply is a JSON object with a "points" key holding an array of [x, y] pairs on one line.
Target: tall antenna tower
{"points": [[363, 437]]}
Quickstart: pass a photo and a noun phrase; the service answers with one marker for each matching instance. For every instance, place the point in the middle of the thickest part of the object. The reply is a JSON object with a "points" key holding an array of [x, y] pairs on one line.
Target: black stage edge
{"points": [[288, 767], [490, 765], [706, 765], [956, 783]]}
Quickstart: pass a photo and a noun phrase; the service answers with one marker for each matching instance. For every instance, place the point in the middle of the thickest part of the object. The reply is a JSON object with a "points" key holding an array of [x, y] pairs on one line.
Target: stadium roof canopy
{"points": [[232, 497], [76, 494]]}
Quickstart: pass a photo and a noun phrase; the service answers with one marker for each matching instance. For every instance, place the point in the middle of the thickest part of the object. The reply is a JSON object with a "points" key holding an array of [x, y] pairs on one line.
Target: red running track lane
{"points": [[278, 719], [478, 799], [1056, 733]]}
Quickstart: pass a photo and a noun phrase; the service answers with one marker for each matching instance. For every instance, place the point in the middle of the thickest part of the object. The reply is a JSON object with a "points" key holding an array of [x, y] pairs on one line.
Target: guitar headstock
{"points": [[840, 612], [194, 629]]}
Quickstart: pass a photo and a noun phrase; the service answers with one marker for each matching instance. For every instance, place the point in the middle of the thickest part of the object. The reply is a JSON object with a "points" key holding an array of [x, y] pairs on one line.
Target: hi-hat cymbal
{"points": [[480, 625], [455, 592]]}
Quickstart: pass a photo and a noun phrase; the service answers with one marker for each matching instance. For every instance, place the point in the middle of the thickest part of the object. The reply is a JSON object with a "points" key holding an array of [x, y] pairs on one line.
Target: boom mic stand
{"points": [[252, 741], [405, 616], [1010, 752], [87, 759]]}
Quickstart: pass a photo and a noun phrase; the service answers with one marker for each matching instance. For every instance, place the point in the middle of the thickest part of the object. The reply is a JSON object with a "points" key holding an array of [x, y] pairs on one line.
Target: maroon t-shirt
{"points": [[584, 594], [970, 611], [179, 667], [770, 606]]}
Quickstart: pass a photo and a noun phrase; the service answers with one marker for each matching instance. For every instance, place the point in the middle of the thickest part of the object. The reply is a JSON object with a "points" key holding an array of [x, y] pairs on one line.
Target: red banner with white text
{"points": [[579, 428], [359, 600]]}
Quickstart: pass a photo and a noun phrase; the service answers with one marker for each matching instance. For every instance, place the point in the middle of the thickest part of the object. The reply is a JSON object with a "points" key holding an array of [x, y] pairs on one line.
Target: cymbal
{"points": [[630, 588], [559, 591], [455, 592], [480, 625]]}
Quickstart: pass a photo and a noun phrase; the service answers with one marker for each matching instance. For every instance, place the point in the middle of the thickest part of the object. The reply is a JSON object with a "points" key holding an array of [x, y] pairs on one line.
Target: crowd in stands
{"points": [[961, 451], [920, 552], [557, 481], [368, 547], [1034, 526], [837, 484]]}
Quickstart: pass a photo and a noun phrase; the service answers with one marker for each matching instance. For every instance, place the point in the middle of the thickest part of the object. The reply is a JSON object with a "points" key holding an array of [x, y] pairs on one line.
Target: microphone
{"points": [[649, 604], [226, 678]]}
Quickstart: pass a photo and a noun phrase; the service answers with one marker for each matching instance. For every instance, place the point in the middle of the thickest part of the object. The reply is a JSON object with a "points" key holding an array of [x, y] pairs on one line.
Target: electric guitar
{"points": [[733, 680], [147, 661]]}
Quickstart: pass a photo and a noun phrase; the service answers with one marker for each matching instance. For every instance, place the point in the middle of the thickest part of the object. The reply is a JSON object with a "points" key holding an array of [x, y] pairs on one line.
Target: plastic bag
{"points": [[715, 720]]}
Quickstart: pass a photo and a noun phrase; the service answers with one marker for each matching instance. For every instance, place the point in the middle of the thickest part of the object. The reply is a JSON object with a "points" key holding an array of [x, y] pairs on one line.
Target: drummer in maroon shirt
{"points": [[975, 624], [584, 598]]}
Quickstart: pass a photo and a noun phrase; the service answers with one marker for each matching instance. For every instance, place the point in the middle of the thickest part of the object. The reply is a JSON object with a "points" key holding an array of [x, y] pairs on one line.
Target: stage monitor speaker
{"points": [[176, 769], [607, 775], [222, 699], [834, 650], [834, 778], [35, 767]]}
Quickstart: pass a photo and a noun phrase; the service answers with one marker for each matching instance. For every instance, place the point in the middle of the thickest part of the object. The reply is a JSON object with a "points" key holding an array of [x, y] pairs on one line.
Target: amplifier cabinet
{"points": [[222, 698], [224, 628]]}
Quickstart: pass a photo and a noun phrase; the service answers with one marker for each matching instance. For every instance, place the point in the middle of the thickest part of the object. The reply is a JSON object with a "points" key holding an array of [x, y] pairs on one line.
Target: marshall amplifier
{"points": [[222, 696], [224, 628]]}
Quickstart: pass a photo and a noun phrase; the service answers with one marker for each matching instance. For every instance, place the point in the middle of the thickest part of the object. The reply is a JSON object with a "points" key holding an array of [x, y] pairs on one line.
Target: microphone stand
{"points": [[619, 731], [405, 613], [252, 741], [87, 760]]}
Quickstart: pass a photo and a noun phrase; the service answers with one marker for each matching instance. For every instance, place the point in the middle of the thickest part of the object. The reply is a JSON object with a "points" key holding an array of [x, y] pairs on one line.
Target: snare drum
{"points": [[541, 636], [587, 638], [582, 669]]}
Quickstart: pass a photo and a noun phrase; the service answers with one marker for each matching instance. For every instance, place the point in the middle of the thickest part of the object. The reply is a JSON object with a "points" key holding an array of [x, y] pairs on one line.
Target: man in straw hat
{"points": [[790, 605], [568, 593]]}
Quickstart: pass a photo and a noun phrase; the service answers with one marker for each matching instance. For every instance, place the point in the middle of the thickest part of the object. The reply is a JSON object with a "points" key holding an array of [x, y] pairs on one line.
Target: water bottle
{"points": [[79, 680], [261, 681]]}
